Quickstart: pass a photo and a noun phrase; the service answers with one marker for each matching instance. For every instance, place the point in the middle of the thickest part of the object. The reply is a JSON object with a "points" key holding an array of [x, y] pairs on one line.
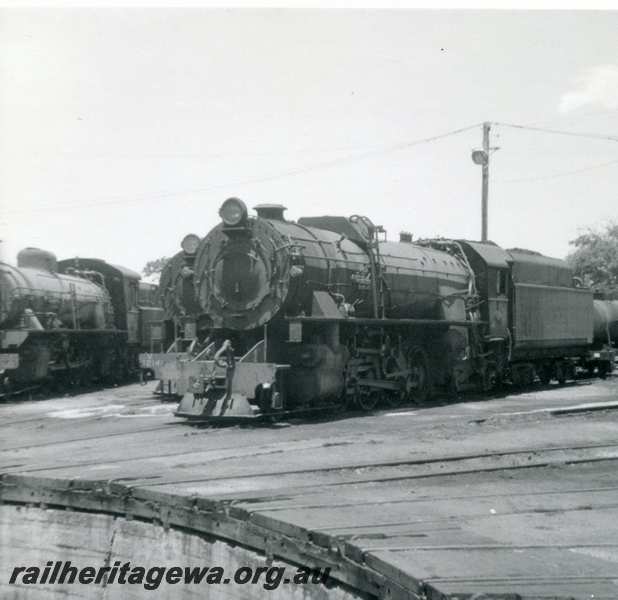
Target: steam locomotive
{"points": [[289, 316], [71, 321]]}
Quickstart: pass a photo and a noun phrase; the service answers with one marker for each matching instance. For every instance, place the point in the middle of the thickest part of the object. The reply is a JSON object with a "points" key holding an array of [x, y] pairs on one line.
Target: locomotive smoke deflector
{"points": [[233, 212]]}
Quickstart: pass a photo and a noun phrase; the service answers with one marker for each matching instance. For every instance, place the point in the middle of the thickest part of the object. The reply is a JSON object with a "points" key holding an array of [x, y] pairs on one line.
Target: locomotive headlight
{"points": [[233, 211], [190, 243]]}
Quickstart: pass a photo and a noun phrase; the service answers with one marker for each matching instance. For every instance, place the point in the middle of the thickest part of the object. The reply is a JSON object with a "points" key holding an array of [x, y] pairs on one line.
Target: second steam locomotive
{"points": [[281, 316], [70, 321]]}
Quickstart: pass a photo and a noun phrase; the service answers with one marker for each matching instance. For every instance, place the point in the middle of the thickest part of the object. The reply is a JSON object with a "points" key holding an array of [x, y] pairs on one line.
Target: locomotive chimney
{"points": [[405, 236], [274, 212]]}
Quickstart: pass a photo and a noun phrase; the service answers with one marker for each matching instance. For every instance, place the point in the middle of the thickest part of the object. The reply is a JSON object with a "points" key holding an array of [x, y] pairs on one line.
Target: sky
{"points": [[122, 130]]}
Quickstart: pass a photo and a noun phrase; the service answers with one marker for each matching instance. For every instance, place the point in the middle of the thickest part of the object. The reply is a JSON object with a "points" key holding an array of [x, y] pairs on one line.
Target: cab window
{"points": [[501, 282], [132, 299]]}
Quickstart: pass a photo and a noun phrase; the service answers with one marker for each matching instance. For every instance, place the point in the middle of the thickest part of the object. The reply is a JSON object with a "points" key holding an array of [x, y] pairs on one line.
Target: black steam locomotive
{"points": [[71, 321], [292, 316]]}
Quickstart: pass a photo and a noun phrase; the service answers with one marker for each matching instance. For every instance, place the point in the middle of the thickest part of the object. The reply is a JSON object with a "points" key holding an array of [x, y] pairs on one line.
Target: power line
{"points": [[260, 179], [560, 174], [351, 157], [560, 132], [596, 136]]}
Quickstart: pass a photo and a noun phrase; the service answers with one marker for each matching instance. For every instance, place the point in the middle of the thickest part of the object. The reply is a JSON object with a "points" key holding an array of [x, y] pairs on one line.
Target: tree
{"points": [[154, 267], [595, 258]]}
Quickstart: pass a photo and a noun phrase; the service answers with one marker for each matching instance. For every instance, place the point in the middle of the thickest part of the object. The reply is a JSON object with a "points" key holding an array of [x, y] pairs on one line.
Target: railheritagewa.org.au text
{"points": [[64, 572]]}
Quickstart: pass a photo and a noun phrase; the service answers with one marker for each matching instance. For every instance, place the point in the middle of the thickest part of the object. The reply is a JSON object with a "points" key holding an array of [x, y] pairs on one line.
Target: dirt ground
{"points": [[513, 494]]}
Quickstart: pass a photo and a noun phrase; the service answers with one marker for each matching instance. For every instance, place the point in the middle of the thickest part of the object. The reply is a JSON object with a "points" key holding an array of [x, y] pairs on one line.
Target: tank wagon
{"points": [[605, 337], [70, 321], [326, 312]]}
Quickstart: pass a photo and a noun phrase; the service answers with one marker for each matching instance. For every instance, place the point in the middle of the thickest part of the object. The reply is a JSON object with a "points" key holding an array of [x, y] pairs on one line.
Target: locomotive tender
{"points": [[325, 311], [71, 321]]}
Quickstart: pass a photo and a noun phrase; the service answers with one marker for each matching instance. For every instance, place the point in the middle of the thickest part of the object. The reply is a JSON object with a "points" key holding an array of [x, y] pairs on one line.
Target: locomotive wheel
{"points": [[392, 398], [561, 373], [418, 380], [491, 379], [367, 399], [544, 373], [86, 375], [603, 370], [521, 376]]}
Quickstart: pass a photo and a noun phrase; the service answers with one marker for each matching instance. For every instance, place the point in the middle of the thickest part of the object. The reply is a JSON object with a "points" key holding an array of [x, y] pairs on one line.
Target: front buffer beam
{"points": [[240, 391]]}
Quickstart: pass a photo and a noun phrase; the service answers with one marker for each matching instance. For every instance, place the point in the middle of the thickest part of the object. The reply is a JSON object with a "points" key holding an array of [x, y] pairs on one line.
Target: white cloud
{"points": [[598, 86]]}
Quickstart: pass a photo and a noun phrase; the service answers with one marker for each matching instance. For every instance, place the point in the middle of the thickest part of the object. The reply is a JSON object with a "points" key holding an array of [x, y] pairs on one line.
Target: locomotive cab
{"points": [[127, 296], [492, 269]]}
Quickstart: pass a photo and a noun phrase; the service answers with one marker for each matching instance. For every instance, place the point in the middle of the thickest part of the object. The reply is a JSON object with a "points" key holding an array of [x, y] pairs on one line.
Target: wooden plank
{"points": [[504, 570]]}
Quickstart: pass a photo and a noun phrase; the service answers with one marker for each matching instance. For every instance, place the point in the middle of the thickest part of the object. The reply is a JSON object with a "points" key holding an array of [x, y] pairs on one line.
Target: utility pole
{"points": [[485, 192], [481, 157]]}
